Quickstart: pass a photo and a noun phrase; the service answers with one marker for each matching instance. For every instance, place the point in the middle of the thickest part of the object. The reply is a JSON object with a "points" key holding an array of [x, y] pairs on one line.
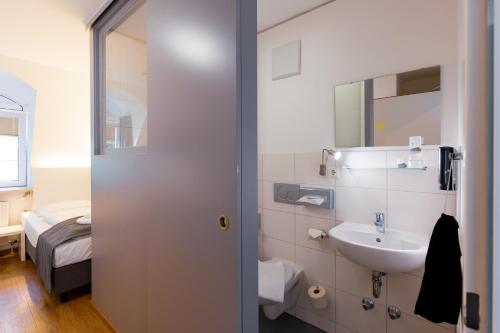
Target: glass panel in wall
{"points": [[125, 49], [9, 148]]}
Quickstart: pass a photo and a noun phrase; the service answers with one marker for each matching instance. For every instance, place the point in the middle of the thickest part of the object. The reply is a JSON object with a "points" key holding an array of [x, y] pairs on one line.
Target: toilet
{"points": [[279, 286]]}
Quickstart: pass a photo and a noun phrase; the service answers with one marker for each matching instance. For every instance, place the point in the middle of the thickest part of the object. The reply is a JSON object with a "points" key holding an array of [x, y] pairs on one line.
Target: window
{"points": [[13, 153], [17, 103], [123, 70]]}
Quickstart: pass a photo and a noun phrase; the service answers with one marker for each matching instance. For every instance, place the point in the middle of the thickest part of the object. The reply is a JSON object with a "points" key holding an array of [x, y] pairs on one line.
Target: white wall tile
{"points": [[278, 168], [362, 178], [368, 170], [307, 170], [319, 267], [418, 272], [268, 199], [302, 226], [403, 291], [259, 167], [357, 280], [410, 324], [277, 249], [363, 159], [449, 327], [415, 180], [416, 212], [350, 315], [315, 320], [260, 249], [341, 329], [360, 205], [321, 213], [278, 225], [304, 302], [292, 311], [260, 189]]}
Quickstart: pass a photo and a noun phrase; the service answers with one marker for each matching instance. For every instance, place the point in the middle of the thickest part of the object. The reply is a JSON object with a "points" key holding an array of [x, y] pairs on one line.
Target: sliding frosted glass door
{"points": [[174, 166]]}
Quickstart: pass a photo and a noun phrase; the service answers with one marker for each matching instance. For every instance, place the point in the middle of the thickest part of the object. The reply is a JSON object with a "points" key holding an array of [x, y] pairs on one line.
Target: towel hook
{"points": [[453, 158]]}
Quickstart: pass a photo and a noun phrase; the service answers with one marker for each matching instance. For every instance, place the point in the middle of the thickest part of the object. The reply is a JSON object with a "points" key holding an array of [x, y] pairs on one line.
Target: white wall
{"points": [[61, 133], [346, 41], [60, 184], [44, 32], [48, 48]]}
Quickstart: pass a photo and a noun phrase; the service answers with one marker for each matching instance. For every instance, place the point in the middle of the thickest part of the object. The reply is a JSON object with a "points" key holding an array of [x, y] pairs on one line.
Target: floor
{"points": [[25, 306], [285, 324]]}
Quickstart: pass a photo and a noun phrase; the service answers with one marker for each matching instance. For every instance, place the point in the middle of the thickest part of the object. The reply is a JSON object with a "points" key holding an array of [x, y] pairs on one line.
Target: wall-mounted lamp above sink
{"points": [[392, 251], [325, 156]]}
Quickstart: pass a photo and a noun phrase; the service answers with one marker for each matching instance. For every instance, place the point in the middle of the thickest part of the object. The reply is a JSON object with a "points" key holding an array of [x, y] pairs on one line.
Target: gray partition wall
{"points": [[164, 261]]}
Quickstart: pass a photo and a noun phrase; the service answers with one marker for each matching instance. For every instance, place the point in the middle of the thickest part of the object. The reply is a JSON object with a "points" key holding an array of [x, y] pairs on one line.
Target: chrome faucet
{"points": [[380, 222]]}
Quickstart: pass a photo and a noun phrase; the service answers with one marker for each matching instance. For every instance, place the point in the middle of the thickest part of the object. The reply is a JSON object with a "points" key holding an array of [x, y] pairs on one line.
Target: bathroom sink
{"points": [[392, 251]]}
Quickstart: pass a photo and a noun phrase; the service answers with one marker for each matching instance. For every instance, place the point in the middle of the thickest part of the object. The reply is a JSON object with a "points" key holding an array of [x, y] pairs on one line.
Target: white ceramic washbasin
{"points": [[392, 251]]}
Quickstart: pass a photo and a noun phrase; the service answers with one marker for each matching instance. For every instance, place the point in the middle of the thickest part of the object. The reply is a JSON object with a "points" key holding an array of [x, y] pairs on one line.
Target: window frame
{"points": [[23, 148], [110, 18]]}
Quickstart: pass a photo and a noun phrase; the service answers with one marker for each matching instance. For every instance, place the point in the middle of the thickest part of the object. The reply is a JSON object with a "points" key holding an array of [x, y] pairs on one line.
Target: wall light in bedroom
{"points": [[27, 195], [325, 156]]}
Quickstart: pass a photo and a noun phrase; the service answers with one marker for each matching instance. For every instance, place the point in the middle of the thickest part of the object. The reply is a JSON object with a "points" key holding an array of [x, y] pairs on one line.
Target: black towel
{"points": [[440, 298]]}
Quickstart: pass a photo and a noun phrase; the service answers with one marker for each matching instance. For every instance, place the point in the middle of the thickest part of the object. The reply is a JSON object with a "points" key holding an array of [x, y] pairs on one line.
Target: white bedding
{"points": [[68, 253], [61, 211]]}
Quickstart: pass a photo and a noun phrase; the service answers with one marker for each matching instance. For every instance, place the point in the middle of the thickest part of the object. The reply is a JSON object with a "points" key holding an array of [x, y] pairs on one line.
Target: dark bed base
{"points": [[66, 278]]}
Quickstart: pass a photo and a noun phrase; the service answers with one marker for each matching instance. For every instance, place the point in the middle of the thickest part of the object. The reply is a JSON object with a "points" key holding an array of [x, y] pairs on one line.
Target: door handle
{"points": [[223, 221]]}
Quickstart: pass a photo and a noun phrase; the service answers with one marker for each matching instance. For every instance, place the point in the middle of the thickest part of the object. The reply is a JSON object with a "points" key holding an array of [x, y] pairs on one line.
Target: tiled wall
{"points": [[410, 200]]}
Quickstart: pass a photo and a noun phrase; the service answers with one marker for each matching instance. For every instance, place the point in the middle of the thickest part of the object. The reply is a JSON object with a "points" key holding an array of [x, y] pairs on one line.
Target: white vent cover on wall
{"points": [[286, 60], [4, 214]]}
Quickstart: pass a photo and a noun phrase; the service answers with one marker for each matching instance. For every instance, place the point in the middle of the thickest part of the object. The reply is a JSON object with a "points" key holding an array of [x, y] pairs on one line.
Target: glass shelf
{"points": [[346, 167]]}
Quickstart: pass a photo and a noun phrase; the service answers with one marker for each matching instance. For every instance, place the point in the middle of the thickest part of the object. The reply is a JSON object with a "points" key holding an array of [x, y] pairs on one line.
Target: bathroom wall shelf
{"points": [[422, 168]]}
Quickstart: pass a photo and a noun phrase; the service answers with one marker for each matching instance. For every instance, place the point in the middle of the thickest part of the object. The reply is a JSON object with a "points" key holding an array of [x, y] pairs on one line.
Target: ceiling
{"points": [[270, 12], [84, 10], [273, 12]]}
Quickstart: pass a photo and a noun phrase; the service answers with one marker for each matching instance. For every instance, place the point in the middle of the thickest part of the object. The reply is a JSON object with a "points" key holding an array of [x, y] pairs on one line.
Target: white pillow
{"points": [[63, 215], [62, 205]]}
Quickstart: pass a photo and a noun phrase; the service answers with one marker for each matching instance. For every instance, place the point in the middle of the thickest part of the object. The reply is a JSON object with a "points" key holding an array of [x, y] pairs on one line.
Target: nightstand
{"points": [[13, 230]]}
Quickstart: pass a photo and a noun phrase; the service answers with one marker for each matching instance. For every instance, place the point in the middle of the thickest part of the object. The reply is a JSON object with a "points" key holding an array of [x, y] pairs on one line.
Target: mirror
{"points": [[387, 110]]}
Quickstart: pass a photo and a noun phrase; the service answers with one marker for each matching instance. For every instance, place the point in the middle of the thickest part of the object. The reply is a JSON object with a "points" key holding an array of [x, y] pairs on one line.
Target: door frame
{"points": [[496, 168], [480, 158], [247, 165]]}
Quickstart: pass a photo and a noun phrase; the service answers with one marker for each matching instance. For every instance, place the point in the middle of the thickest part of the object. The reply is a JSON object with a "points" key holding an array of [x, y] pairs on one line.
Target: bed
{"points": [[71, 262]]}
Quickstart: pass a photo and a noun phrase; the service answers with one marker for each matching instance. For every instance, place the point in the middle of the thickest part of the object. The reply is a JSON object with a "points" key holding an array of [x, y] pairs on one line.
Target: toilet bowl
{"points": [[290, 278]]}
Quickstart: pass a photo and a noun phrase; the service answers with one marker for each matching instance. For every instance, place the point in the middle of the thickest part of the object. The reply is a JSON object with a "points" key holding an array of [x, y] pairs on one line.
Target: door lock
{"points": [[223, 222]]}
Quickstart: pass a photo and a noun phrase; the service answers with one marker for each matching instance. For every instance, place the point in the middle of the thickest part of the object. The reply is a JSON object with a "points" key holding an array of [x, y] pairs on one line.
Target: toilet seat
{"points": [[292, 277]]}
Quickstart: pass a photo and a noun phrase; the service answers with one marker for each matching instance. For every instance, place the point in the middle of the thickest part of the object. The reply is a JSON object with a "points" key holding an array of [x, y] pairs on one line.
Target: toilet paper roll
{"points": [[317, 296], [316, 234]]}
